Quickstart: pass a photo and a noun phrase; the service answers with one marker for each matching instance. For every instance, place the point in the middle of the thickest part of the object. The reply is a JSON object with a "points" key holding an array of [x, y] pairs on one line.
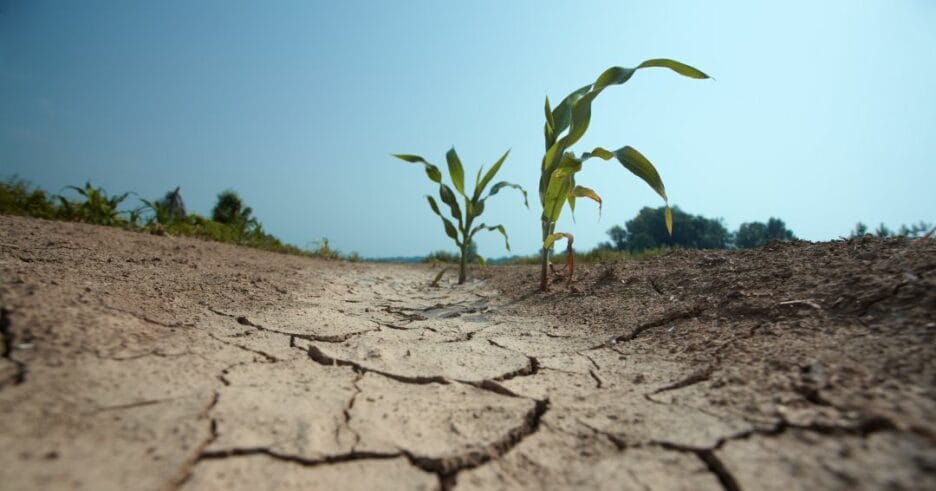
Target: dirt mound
{"points": [[133, 361]]}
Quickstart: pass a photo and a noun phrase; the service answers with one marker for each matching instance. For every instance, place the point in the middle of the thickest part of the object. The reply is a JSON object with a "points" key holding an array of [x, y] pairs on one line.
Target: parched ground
{"points": [[140, 362]]}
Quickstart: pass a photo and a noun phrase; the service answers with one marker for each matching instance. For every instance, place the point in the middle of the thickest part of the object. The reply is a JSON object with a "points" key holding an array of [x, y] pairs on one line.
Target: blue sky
{"points": [[822, 113]]}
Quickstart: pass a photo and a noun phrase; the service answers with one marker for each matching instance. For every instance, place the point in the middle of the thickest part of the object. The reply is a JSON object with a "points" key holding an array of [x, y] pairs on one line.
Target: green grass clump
{"points": [[17, 197]]}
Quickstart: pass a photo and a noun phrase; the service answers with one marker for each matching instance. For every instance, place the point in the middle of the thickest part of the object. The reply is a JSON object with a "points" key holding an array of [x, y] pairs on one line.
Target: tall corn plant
{"points": [[464, 230], [565, 125]]}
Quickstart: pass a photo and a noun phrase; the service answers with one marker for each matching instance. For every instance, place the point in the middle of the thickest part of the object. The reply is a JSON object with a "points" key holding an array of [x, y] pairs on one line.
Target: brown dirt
{"points": [[139, 362]]}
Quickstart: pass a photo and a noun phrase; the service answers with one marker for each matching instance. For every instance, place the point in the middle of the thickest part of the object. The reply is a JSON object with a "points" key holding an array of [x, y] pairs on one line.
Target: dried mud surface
{"points": [[140, 362]]}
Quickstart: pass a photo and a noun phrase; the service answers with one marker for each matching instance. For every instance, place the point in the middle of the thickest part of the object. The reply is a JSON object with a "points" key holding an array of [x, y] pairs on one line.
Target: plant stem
{"points": [[544, 263], [463, 264]]}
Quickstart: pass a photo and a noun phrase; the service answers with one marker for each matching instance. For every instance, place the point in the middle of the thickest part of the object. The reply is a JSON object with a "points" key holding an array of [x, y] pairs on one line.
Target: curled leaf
{"points": [[584, 192], [432, 171]]}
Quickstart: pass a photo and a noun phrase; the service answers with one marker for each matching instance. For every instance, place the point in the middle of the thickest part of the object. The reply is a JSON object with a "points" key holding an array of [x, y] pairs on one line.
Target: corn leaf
{"points": [[504, 184], [456, 171], [599, 152], [450, 229], [432, 171], [551, 238], [549, 129], [490, 175], [562, 115], [560, 183], [635, 162], [499, 228], [581, 118], [669, 220], [477, 208], [448, 197], [583, 192], [615, 75], [680, 68]]}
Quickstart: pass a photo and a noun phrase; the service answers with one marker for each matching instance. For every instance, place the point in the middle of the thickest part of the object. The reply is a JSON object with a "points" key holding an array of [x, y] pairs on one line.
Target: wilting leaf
{"points": [[551, 238], [583, 192], [635, 162], [504, 184], [669, 220]]}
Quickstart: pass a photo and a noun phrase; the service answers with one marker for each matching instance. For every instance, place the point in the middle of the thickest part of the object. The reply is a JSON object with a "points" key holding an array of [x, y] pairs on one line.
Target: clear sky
{"points": [[823, 113]]}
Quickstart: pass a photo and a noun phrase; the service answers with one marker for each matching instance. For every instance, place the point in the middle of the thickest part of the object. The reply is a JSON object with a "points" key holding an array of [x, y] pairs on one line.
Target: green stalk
{"points": [[463, 265], [544, 263]]}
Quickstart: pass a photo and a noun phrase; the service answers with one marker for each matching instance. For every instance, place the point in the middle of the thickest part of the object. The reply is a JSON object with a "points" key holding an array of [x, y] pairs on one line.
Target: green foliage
{"points": [[323, 250], [915, 230], [647, 231], [463, 231], [18, 197], [566, 125], [164, 216], [757, 234], [230, 210], [96, 207], [644, 232]]}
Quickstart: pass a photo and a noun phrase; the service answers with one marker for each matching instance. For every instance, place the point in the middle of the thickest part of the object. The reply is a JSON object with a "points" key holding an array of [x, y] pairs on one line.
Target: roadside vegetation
{"points": [[230, 222]]}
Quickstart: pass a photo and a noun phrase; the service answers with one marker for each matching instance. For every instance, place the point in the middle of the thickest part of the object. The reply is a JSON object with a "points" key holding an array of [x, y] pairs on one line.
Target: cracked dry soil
{"points": [[139, 362]]}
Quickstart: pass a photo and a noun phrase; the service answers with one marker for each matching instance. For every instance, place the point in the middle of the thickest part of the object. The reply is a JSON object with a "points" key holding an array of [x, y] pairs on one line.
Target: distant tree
{"points": [[757, 234], [648, 230], [230, 210], [618, 238]]}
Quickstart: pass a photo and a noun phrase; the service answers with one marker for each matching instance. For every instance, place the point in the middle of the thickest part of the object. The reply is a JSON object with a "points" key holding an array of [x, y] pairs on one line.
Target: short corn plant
{"points": [[565, 125], [464, 230]]}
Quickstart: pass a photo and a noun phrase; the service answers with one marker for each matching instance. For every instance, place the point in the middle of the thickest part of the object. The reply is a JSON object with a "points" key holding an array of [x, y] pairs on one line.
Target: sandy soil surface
{"points": [[140, 362]]}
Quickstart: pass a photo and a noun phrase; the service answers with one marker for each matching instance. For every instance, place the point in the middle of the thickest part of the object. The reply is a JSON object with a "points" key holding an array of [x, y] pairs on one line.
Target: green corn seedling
{"points": [[565, 125], [464, 230]]}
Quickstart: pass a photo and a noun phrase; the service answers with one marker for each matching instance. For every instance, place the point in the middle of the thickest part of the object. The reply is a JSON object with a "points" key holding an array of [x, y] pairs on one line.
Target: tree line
{"points": [[647, 231]]}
